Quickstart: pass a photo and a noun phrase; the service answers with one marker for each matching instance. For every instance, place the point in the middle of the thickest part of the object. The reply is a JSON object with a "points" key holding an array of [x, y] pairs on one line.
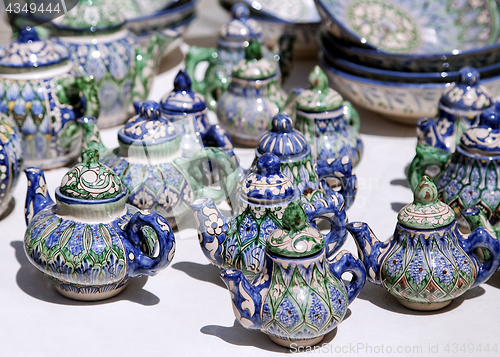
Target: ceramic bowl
{"points": [[401, 102], [416, 27]]}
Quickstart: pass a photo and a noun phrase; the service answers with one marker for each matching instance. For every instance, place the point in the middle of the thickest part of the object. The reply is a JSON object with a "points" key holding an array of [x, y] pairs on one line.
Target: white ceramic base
{"points": [[300, 343], [422, 306], [82, 296]]}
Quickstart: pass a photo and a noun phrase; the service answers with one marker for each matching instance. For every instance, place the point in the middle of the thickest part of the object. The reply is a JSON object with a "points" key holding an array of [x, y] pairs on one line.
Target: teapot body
{"points": [[10, 162]]}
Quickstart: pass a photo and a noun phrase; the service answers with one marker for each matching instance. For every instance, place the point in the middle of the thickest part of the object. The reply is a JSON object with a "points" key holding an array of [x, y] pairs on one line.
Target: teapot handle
{"points": [[192, 170], [425, 157], [151, 243], [194, 57], [351, 115], [346, 262], [88, 87], [337, 174], [332, 210]]}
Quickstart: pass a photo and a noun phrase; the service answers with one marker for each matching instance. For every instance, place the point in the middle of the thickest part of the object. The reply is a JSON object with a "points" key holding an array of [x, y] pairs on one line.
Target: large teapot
{"points": [[90, 242], [41, 94], [428, 262], [299, 296], [239, 241], [150, 164]]}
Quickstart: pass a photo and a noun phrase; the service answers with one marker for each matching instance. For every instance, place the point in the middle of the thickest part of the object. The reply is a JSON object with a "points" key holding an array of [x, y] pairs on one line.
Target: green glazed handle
{"points": [[143, 76], [192, 168], [195, 56], [351, 115], [426, 156], [87, 86]]}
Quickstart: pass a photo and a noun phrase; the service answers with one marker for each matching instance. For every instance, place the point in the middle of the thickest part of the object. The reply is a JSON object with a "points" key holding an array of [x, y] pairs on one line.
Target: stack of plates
{"points": [[396, 57]]}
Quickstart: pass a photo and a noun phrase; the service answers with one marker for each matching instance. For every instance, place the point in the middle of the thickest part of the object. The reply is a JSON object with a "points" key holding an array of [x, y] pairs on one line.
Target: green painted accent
{"points": [[253, 50], [91, 180], [319, 98], [254, 66], [425, 157]]}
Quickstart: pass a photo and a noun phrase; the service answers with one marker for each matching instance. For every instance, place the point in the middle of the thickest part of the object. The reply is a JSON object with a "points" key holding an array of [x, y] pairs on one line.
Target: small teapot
{"points": [[428, 262], [459, 109], [469, 176], [299, 296], [239, 241], [43, 97], [252, 99], [149, 162], [330, 124], [90, 242]]}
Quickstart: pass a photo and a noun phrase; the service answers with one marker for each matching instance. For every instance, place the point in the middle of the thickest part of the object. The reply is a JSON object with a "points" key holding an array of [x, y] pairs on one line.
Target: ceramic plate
{"points": [[137, 8], [414, 26]]}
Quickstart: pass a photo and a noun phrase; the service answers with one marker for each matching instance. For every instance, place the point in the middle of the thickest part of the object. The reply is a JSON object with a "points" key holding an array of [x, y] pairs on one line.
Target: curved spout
{"points": [[37, 196], [428, 134], [371, 251], [245, 296], [91, 135]]}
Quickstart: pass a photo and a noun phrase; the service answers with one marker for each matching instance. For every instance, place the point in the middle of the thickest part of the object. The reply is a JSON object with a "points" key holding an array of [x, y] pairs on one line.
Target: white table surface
{"points": [[186, 310]]}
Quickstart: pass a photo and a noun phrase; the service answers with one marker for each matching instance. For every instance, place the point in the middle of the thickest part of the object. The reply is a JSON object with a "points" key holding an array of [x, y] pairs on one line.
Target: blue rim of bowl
{"points": [[169, 11], [368, 45], [175, 27]]}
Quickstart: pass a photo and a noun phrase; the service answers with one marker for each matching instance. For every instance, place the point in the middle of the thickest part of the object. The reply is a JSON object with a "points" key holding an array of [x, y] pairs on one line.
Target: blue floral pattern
{"points": [[395, 262], [443, 268], [248, 229]]}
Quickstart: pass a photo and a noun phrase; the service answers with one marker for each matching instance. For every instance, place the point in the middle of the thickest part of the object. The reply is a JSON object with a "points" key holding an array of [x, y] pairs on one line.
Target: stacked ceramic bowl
{"points": [[396, 57]]}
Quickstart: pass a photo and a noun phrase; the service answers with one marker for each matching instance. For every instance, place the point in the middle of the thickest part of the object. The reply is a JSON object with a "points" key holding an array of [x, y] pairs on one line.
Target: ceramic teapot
{"points": [[41, 94], [239, 241], [428, 262], [469, 176], [102, 47], [231, 43], [252, 99], [459, 109], [330, 125], [299, 296], [10, 162], [90, 242], [149, 162]]}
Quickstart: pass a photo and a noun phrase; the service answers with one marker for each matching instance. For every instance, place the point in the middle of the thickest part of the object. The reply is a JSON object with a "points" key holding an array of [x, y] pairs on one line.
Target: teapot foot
{"points": [[90, 293], [300, 343], [424, 306]]}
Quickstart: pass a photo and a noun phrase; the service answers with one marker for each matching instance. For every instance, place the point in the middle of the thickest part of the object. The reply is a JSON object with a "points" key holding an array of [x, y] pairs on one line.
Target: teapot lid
{"points": [[148, 126], [91, 15], [267, 184], [426, 211], [28, 51], [283, 140], [183, 99], [466, 93], [254, 66], [241, 27], [318, 98], [483, 139], [91, 180], [296, 238]]}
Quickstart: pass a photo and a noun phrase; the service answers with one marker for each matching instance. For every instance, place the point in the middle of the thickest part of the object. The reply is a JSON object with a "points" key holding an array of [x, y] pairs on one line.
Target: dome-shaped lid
{"points": [[241, 27], [28, 51], [426, 211], [254, 66], [483, 139], [318, 98], [183, 99], [267, 185], [283, 140], [91, 180], [148, 126], [466, 93], [296, 238], [91, 15]]}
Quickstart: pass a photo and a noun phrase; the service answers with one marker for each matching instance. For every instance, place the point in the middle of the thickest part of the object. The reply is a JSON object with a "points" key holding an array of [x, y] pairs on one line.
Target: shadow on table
{"points": [[204, 272], [494, 280], [39, 286], [378, 296], [9, 208], [170, 61], [239, 336]]}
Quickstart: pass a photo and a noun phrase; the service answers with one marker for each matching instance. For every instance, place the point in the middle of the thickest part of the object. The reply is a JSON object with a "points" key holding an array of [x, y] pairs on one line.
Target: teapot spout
{"points": [[37, 196], [212, 229], [428, 134], [371, 250], [246, 298], [91, 135]]}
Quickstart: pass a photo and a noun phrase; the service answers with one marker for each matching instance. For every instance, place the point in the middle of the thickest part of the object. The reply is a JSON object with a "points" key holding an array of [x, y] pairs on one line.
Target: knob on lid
{"points": [[483, 139], [254, 66], [241, 27], [319, 97], [183, 99], [466, 93]]}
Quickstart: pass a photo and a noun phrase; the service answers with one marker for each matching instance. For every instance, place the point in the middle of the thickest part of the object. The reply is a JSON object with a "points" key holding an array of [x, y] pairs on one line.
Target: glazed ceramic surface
{"points": [[239, 241], [294, 11], [428, 262], [11, 161], [321, 117], [399, 26], [299, 296], [149, 162], [253, 98], [90, 242], [40, 93]]}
